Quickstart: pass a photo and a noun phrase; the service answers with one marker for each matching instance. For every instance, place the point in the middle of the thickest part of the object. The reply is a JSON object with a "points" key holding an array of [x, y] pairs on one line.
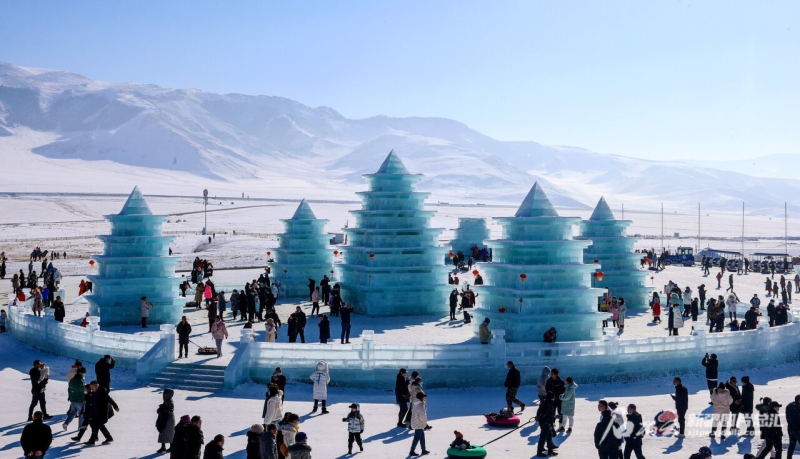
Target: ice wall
{"points": [[303, 252], [135, 263], [392, 265], [537, 279], [470, 232], [613, 249]]}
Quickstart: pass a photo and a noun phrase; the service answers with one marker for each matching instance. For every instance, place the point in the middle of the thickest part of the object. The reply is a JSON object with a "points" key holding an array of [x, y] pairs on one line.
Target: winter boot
{"points": [[324, 410], [316, 403]]}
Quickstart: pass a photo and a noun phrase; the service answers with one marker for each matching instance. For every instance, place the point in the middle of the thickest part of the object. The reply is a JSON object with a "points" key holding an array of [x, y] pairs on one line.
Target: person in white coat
{"points": [[321, 378], [272, 331], [273, 411], [623, 309], [145, 307], [722, 401], [419, 421]]}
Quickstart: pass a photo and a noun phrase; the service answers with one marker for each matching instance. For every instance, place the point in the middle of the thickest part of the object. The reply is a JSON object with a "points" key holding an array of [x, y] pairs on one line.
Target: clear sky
{"points": [[652, 79]]}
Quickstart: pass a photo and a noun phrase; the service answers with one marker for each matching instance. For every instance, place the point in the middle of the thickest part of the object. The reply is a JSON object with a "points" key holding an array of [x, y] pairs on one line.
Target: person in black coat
{"points": [[606, 434], [681, 398], [301, 323], [292, 329], [312, 285], [214, 449], [279, 380], [188, 439], [546, 417], [746, 408], [712, 371], [325, 285], [98, 411], [512, 383], [324, 329], [751, 317], [634, 433], [556, 385], [37, 390], [36, 437], [58, 310], [184, 330], [736, 406], [453, 304], [793, 423], [102, 371], [772, 431], [402, 395]]}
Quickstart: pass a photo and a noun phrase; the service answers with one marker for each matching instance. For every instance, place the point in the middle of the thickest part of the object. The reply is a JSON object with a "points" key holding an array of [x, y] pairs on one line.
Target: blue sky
{"points": [[652, 79]]}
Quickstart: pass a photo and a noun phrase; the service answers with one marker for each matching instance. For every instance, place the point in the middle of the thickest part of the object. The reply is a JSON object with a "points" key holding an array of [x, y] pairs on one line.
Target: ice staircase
{"points": [[191, 377]]}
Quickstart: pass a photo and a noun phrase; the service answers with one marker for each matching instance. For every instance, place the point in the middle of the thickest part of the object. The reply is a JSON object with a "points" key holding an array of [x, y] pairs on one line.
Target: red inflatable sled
{"points": [[502, 419]]}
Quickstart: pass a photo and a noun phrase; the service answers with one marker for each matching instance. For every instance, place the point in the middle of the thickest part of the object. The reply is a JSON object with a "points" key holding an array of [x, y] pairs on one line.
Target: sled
{"points": [[472, 451], [191, 304], [494, 419], [207, 351]]}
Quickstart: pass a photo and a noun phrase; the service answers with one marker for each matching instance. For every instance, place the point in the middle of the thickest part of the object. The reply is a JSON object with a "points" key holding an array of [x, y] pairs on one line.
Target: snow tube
{"points": [[472, 451], [497, 421]]}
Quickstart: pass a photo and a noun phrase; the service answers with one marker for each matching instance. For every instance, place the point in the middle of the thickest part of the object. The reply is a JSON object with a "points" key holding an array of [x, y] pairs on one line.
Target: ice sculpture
{"points": [[470, 232], [303, 251], [614, 251], [392, 265], [538, 279], [135, 263]]}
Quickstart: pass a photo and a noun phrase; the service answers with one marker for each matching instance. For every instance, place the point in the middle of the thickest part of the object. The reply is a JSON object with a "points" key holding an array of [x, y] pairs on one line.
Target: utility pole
{"points": [[742, 230], [698, 226], [662, 226], [205, 211], [786, 229]]}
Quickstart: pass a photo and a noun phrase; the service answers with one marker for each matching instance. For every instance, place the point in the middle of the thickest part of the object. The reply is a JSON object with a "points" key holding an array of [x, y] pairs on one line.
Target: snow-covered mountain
{"points": [[63, 131]]}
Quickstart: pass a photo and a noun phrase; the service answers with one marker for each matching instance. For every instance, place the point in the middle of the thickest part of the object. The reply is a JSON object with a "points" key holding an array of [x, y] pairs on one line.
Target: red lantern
{"points": [[501, 310], [522, 277], [452, 255], [91, 263], [520, 301], [475, 273], [596, 261], [371, 256], [335, 253], [269, 253], [599, 276], [285, 271], [331, 272]]}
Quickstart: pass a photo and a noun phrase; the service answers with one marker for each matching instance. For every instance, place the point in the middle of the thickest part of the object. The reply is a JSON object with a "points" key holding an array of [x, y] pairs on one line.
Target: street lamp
{"points": [[205, 211]]}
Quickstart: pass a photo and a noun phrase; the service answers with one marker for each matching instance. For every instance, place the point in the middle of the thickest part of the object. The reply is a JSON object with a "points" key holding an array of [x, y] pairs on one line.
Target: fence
{"points": [[371, 365]]}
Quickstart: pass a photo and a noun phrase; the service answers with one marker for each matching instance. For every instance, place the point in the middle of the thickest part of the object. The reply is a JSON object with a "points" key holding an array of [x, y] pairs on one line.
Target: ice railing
{"points": [[85, 343], [637, 356]]}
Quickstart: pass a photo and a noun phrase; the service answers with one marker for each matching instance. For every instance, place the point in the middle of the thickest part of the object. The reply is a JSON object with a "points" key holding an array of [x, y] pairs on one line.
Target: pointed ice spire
{"points": [[536, 204], [135, 205], [392, 165], [602, 211], [304, 212]]}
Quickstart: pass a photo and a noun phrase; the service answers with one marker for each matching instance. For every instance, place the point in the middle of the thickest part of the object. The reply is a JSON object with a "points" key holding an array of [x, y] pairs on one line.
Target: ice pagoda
{"points": [[614, 250], [538, 278], [303, 252], [392, 265], [470, 232], [135, 263]]}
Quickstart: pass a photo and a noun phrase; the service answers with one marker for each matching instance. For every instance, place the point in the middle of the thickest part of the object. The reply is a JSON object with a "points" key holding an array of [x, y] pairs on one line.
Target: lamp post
{"points": [[205, 211]]}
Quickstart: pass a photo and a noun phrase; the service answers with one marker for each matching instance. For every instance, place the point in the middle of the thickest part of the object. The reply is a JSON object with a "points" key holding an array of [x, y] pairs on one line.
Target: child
{"points": [[656, 310], [459, 443], [355, 427]]}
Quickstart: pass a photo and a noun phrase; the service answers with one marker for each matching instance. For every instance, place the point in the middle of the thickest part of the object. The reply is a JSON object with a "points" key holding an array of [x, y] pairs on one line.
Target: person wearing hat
{"points": [[772, 431], [355, 427], [483, 331], [402, 395], [793, 423], [300, 448], [254, 441]]}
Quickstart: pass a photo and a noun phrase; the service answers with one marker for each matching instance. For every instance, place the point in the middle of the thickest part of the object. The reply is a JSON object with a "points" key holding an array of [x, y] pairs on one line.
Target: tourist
{"points": [[721, 400], [772, 431], [704, 453], [272, 331], [701, 293], [345, 313], [38, 385], [324, 329], [98, 412], [355, 427], [289, 428], [273, 405], [3, 320], [199, 291], [58, 310], [214, 449], [321, 378], [165, 421], [736, 406], [325, 284], [315, 296], [655, 303], [76, 397], [145, 306], [555, 385], [719, 278], [771, 312], [746, 407], [634, 433], [793, 424], [414, 387], [484, 333], [300, 448], [546, 417], [675, 320], [269, 445], [681, 398], [279, 380], [781, 315], [183, 287], [219, 333], [797, 282], [184, 329], [614, 309], [512, 383], [211, 315], [541, 383], [312, 285], [621, 311], [38, 304], [567, 400], [221, 305], [402, 395], [235, 304], [188, 438], [253, 448], [36, 437], [208, 294], [712, 371], [83, 421], [301, 323], [453, 304], [607, 438], [419, 421], [292, 328]]}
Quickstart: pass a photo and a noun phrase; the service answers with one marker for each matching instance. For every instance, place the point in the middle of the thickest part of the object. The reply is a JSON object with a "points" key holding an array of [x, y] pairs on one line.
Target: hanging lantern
{"points": [[91, 263], [599, 276], [335, 253], [452, 255], [596, 261], [371, 256], [285, 271], [651, 277], [269, 253], [501, 310], [331, 272], [520, 301], [522, 277], [475, 273]]}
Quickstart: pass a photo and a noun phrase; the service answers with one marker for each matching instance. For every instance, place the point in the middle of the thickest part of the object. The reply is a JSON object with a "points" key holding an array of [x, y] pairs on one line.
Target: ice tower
{"points": [[392, 265], [470, 231], [303, 251], [614, 250], [538, 279], [135, 263]]}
